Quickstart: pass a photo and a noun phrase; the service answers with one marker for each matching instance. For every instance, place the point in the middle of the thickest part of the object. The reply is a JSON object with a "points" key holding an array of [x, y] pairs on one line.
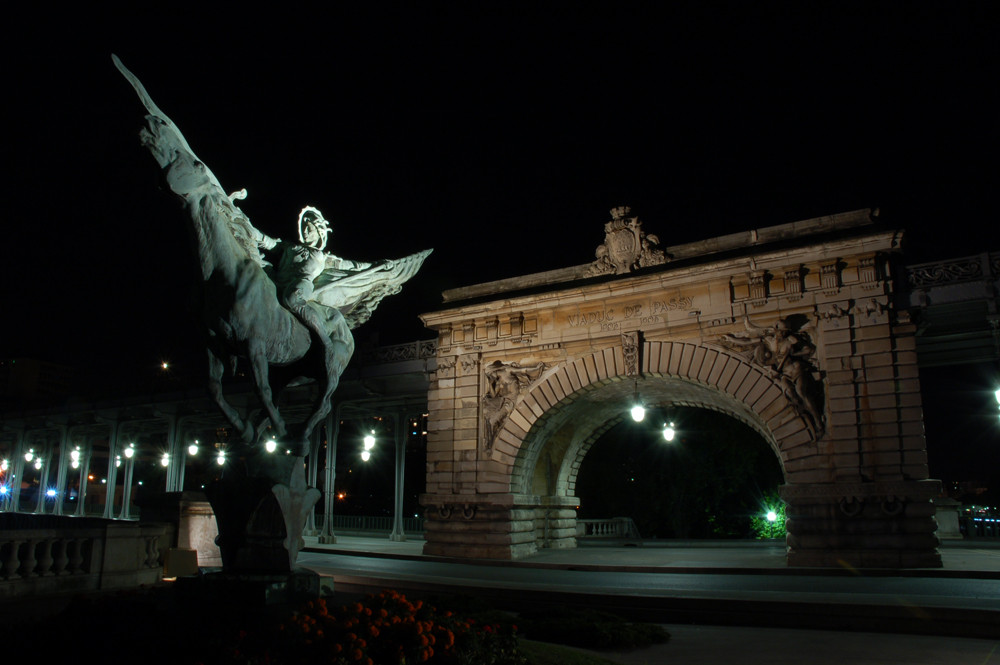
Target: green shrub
{"points": [[764, 528]]}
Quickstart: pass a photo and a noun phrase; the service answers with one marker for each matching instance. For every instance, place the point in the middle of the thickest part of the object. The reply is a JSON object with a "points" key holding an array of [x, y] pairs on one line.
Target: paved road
{"points": [[922, 591], [964, 603]]}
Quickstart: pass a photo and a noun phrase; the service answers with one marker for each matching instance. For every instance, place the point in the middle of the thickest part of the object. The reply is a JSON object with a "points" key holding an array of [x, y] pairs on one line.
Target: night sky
{"points": [[500, 136]]}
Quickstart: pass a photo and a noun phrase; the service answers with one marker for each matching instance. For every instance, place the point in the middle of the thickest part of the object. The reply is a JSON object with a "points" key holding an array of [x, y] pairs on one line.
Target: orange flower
{"points": [[357, 654]]}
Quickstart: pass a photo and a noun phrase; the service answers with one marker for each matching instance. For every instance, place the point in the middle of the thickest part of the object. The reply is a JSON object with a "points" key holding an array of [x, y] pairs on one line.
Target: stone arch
{"points": [[571, 406]]}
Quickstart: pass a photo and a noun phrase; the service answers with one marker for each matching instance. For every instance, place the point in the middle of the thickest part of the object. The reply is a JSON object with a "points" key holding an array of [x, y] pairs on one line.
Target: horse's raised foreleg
{"points": [[258, 363], [216, 369]]}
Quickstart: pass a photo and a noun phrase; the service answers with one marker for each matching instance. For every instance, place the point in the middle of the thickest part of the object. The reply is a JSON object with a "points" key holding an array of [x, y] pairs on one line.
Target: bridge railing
{"points": [[981, 528], [954, 271], [419, 350], [619, 528], [374, 524], [47, 554]]}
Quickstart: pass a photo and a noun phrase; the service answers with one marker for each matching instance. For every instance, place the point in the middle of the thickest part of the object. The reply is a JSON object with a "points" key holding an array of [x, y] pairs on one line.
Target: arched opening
{"points": [[716, 478], [544, 478]]}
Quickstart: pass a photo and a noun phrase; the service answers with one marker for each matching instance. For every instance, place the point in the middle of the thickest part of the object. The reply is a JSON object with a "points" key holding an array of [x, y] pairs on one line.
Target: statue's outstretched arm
{"points": [[337, 263]]}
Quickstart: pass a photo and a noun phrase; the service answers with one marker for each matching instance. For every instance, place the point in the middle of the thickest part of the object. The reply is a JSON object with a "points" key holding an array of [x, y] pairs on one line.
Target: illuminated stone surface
{"points": [[791, 329]]}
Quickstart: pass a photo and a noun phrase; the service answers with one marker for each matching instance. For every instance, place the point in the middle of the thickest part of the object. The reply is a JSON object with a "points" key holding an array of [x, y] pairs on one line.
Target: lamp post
{"points": [[398, 533], [129, 453]]}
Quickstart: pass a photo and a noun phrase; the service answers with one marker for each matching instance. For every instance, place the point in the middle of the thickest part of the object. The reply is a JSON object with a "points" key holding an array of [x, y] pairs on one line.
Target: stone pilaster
{"points": [[862, 525]]}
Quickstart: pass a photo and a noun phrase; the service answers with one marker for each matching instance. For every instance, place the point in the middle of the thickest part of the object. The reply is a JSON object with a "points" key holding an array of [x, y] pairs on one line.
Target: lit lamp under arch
{"points": [[669, 432], [638, 411]]}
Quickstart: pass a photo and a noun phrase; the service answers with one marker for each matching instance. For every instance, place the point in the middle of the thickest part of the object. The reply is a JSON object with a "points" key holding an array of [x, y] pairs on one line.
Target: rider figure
{"points": [[298, 265]]}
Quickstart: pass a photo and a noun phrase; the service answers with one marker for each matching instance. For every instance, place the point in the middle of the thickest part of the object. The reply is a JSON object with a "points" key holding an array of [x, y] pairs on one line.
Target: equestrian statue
{"points": [[287, 308]]}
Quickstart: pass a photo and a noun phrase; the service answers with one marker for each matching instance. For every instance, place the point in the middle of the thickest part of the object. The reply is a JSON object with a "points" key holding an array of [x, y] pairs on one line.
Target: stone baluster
{"points": [[11, 563], [44, 554], [59, 557], [152, 551], [74, 548], [27, 558]]}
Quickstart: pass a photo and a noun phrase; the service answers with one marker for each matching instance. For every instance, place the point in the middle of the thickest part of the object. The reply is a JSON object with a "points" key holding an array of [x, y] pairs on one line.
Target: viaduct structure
{"points": [[800, 331], [796, 330]]}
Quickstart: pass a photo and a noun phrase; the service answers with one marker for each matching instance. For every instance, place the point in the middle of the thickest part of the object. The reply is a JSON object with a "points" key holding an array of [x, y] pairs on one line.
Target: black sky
{"points": [[499, 135]]}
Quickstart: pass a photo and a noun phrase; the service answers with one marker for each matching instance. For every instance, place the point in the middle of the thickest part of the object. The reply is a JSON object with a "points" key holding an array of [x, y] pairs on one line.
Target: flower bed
{"points": [[383, 629]]}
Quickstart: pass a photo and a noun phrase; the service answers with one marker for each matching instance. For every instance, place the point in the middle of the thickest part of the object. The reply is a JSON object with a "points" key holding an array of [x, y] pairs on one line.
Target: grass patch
{"points": [[589, 629], [543, 653]]}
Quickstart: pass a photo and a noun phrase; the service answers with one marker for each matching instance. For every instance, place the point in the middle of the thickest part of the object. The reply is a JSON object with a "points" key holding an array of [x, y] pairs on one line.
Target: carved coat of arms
{"points": [[626, 247]]}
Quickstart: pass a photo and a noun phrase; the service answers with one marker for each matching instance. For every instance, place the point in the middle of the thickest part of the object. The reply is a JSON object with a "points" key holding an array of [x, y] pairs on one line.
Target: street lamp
{"points": [[669, 432], [638, 411], [271, 445], [369, 444]]}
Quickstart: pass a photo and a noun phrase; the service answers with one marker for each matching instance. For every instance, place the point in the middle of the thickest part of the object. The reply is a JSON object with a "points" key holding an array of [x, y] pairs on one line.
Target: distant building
{"points": [[31, 378]]}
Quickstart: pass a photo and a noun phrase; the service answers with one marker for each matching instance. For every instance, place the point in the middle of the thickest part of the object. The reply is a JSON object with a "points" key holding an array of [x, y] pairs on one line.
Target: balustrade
{"points": [[51, 555], [612, 527]]}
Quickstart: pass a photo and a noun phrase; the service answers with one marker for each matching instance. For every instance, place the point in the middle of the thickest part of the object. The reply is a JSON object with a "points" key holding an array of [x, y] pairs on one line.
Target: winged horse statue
{"points": [[271, 302]]}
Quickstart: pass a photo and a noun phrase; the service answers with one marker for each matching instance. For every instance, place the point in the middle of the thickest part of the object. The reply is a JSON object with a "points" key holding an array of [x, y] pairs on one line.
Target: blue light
{"points": [[51, 493], [3, 489]]}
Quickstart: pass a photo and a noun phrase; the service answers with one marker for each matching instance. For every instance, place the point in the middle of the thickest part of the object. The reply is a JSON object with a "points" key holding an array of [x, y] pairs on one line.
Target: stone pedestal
{"points": [[192, 522], [501, 526], [862, 525], [946, 513]]}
